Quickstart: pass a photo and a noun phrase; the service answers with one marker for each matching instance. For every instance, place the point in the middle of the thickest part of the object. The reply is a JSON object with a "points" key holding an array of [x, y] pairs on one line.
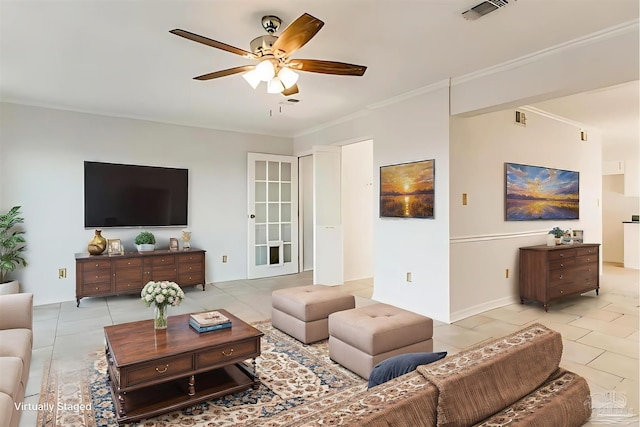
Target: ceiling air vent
{"points": [[483, 8]]}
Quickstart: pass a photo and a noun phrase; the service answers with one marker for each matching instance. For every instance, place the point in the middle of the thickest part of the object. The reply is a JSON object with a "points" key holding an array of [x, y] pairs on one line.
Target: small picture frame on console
{"points": [[173, 244], [114, 247]]}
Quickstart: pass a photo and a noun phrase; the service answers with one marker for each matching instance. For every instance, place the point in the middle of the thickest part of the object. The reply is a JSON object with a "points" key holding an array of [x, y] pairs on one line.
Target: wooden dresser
{"points": [[552, 272], [103, 275]]}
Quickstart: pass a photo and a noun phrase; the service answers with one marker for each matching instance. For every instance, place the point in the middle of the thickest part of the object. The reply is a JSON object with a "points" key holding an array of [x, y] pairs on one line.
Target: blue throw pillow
{"points": [[399, 365]]}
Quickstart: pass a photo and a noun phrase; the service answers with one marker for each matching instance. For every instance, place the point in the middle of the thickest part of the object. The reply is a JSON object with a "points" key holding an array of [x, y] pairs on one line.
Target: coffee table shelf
{"points": [[154, 372]]}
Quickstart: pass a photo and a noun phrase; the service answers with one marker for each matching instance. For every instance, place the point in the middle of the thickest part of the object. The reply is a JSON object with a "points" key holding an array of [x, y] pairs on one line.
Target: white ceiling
{"points": [[118, 57]]}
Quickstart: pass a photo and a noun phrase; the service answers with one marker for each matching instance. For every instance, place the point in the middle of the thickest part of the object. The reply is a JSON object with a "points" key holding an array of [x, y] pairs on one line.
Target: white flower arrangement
{"points": [[162, 294]]}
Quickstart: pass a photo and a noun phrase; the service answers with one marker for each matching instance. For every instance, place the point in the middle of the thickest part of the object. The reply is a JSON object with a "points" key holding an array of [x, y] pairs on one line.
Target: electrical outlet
{"points": [[62, 273], [464, 199], [506, 273], [409, 276], [224, 258]]}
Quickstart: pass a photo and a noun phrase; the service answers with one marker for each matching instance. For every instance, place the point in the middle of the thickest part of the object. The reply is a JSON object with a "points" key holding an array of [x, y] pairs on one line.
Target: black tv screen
{"points": [[118, 195]]}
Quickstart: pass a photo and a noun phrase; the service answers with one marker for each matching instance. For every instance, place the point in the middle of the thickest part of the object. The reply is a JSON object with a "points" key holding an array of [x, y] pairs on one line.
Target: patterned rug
{"points": [[291, 374]]}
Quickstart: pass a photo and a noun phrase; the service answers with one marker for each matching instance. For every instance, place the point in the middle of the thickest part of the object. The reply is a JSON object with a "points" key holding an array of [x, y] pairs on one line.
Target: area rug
{"points": [[291, 374]]}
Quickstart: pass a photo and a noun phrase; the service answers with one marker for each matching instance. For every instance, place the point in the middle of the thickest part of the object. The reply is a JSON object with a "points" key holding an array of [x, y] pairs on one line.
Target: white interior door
{"points": [[272, 215], [327, 217]]}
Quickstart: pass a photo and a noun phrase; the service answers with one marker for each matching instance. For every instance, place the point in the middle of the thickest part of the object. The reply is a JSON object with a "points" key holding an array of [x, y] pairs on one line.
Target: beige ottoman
{"points": [[361, 338], [302, 312]]}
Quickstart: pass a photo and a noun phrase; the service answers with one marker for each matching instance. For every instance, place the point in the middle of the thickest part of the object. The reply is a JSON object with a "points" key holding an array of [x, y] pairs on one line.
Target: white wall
{"points": [[43, 152], [357, 210], [405, 131], [483, 244]]}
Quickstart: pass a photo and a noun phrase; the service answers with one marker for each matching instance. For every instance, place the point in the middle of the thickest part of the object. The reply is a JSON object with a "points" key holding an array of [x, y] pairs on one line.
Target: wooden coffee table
{"points": [[154, 372]]}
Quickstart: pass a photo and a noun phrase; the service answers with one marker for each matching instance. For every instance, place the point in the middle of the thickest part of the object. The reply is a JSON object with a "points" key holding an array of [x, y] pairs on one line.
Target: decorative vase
{"points": [[160, 317], [551, 240], [97, 244]]}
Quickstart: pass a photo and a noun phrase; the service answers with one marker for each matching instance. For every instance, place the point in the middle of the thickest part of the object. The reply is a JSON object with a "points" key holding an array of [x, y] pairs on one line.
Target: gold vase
{"points": [[97, 244]]}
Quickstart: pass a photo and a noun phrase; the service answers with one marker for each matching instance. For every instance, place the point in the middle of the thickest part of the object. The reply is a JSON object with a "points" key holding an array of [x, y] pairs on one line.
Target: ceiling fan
{"points": [[275, 66]]}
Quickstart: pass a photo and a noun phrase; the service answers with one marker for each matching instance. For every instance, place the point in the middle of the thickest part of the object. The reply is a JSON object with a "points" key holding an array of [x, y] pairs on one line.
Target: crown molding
{"points": [[615, 31], [369, 108]]}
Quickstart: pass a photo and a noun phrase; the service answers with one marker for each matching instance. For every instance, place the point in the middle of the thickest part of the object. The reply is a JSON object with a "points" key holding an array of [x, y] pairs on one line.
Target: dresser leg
{"points": [[546, 308], [192, 385], [597, 291]]}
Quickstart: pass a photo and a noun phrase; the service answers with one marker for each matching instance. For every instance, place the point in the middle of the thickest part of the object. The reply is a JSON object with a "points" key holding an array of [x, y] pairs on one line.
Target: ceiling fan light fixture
{"points": [[288, 77], [275, 85], [265, 70], [252, 77]]}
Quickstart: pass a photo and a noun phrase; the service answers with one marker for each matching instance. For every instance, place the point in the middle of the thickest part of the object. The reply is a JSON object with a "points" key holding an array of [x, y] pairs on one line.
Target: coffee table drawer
{"points": [[221, 355], [158, 370]]}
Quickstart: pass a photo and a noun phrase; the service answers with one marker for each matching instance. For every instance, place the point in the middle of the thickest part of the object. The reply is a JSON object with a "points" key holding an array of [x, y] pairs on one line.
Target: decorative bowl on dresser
{"points": [[102, 275], [552, 272]]}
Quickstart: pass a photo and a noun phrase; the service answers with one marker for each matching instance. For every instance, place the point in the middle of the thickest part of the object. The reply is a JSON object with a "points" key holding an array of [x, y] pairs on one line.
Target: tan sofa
{"points": [[513, 380], [16, 342]]}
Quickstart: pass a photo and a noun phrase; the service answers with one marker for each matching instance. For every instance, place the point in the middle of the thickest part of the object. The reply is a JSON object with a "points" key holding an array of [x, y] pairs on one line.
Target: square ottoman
{"points": [[303, 312], [362, 337]]}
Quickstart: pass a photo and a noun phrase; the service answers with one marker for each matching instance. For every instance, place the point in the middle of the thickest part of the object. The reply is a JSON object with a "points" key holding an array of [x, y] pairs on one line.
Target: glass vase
{"points": [[160, 317]]}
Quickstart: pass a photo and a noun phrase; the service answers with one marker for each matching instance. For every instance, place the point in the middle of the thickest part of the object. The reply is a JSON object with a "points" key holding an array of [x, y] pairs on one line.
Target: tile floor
{"points": [[600, 333]]}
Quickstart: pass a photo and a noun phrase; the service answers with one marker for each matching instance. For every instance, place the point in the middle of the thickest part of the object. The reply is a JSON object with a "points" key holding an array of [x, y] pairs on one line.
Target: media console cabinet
{"points": [[104, 275], [552, 272]]}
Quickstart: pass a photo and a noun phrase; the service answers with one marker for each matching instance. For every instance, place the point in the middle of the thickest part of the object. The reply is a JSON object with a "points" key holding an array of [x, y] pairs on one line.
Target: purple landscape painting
{"points": [[539, 193]]}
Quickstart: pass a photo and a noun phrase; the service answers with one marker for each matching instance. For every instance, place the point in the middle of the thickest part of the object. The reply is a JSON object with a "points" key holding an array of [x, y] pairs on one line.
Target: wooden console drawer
{"points": [[561, 254], [223, 354], [95, 289], [586, 251], [195, 278], [158, 370], [127, 262], [160, 274], [97, 276], [588, 259], [168, 260], [91, 266], [567, 289], [190, 258], [562, 264]]}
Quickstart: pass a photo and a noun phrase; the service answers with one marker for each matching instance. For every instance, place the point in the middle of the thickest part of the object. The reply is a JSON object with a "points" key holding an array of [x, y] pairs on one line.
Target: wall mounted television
{"points": [[118, 195]]}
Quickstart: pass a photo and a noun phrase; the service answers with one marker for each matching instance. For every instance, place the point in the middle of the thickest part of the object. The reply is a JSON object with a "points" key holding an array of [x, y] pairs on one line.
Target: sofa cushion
{"points": [[11, 368], [402, 364], [485, 379], [564, 400]]}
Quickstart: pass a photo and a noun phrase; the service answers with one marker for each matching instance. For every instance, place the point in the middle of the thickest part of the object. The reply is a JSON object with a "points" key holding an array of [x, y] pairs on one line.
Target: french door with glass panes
{"points": [[272, 215]]}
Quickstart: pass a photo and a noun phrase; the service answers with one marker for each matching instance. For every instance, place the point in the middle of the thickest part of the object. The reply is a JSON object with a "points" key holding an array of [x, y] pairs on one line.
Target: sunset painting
{"points": [[406, 190], [534, 192]]}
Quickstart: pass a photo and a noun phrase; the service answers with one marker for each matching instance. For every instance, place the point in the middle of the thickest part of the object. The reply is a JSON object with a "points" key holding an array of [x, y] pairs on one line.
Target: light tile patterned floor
{"points": [[600, 333]]}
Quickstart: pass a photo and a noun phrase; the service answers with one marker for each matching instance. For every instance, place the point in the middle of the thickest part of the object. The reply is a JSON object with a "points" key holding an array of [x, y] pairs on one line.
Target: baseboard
{"points": [[481, 308]]}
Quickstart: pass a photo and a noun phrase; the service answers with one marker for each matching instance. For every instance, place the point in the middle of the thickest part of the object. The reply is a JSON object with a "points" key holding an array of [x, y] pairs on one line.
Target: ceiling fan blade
{"points": [[297, 34], [227, 72], [326, 67], [213, 43], [291, 91]]}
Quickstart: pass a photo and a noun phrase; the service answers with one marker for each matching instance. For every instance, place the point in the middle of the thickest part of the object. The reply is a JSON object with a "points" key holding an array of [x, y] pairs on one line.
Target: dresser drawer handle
{"points": [[561, 255], [561, 265], [162, 371], [97, 265], [560, 277], [227, 354]]}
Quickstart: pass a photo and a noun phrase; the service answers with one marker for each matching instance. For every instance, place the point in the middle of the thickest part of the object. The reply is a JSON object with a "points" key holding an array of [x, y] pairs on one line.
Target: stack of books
{"points": [[209, 321]]}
